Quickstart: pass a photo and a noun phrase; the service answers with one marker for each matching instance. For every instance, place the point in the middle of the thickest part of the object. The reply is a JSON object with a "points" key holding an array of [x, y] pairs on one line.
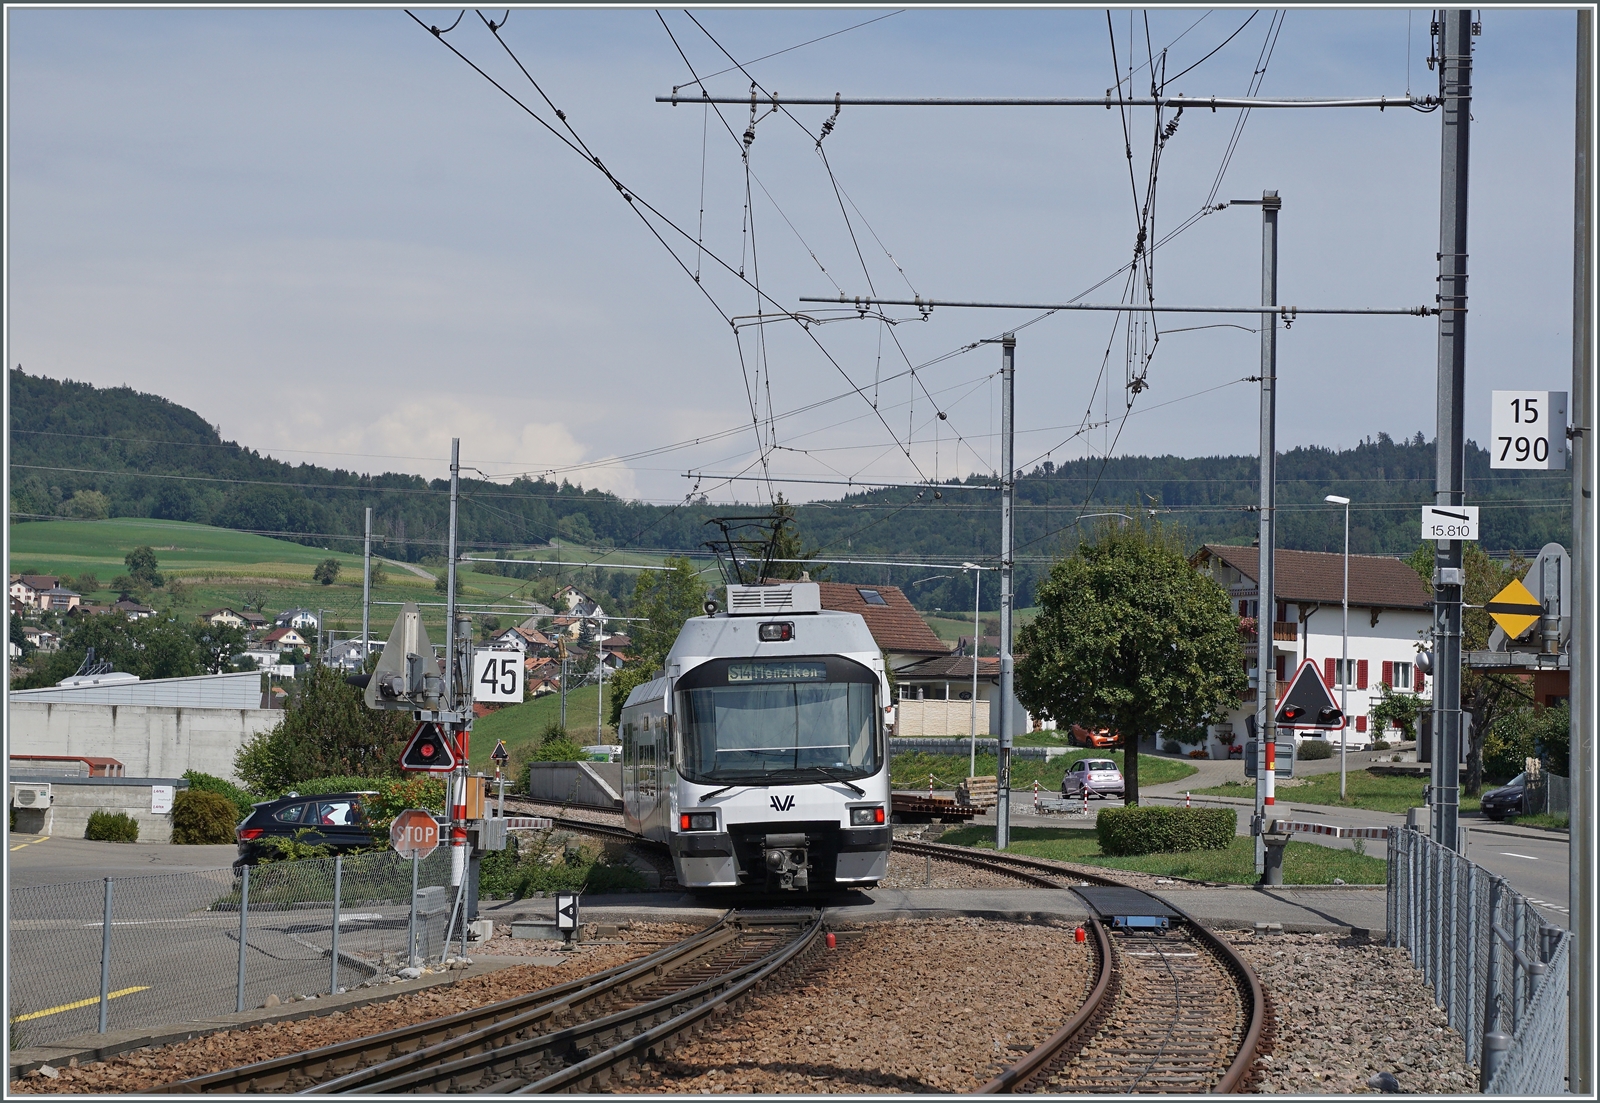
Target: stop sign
{"points": [[414, 833]]}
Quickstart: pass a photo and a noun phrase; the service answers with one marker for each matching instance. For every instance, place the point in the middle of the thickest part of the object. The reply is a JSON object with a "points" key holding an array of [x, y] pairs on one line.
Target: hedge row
{"points": [[1157, 829], [112, 827]]}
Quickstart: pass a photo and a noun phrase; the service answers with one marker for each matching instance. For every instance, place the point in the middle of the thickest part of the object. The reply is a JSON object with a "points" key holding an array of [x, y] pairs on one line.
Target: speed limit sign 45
{"points": [[1528, 430], [497, 676]]}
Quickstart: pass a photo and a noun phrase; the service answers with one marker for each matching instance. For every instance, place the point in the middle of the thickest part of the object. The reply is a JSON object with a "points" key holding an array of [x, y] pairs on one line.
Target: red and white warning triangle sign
{"points": [[1308, 704], [429, 751]]}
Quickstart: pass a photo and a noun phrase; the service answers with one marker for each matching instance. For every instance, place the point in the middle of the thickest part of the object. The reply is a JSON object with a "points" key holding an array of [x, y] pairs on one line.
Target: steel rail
{"points": [[504, 1060], [272, 1074], [1256, 1012]]}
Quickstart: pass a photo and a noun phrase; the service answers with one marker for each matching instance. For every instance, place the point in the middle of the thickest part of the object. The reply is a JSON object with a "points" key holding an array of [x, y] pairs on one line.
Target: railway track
{"points": [[571, 1037], [1171, 1009]]}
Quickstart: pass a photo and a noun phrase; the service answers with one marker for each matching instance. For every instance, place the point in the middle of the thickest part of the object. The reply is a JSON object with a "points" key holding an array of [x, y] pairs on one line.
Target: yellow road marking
{"points": [[19, 846], [75, 1004]]}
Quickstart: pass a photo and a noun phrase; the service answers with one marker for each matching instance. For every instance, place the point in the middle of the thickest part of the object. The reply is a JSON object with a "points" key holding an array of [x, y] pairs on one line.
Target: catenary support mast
{"points": [[1008, 489], [1455, 79], [1581, 960]]}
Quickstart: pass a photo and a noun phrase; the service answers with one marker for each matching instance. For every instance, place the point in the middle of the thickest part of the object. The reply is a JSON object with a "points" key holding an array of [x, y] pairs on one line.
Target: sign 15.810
{"points": [[1528, 430]]}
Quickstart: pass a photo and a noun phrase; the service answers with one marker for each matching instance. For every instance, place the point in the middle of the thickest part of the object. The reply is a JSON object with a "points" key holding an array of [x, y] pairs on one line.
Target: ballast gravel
{"points": [[1348, 1009], [926, 1006], [158, 1066]]}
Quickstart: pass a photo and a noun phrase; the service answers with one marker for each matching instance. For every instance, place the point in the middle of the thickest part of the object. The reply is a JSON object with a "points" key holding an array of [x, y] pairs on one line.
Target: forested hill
{"points": [[78, 450]]}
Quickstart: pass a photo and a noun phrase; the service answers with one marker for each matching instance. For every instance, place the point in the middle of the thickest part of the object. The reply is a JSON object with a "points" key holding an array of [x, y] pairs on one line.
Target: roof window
{"points": [[871, 597]]}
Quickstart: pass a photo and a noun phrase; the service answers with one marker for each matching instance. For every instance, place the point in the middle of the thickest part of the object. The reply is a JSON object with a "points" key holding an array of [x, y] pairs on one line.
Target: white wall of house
{"points": [[1392, 640]]}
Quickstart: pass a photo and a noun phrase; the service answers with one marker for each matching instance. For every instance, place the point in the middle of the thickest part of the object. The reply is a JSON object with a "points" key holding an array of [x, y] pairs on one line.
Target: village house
{"points": [[283, 639], [132, 609], [303, 620], [1390, 620], [59, 599], [521, 638], [228, 617], [22, 591]]}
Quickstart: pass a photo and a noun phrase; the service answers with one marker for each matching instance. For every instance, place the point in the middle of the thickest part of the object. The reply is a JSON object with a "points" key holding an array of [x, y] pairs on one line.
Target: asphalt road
{"points": [[53, 859]]}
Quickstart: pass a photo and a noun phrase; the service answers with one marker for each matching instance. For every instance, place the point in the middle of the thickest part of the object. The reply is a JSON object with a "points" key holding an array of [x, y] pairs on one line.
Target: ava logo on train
{"points": [[782, 804]]}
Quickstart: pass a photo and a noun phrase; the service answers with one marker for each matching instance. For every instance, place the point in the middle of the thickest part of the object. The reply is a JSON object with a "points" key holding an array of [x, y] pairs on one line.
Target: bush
{"points": [[209, 783], [1170, 746], [203, 818], [112, 827], [1156, 829], [1315, 750], [1381, 745]]}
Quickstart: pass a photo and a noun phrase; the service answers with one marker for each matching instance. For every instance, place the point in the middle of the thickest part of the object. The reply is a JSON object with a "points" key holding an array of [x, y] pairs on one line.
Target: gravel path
{"points": [[1347, 1009], [926, 1006], [150, 1068]]}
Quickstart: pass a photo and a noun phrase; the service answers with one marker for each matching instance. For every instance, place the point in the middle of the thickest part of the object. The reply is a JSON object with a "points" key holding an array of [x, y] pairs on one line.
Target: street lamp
{"points": [[1344, 667]]}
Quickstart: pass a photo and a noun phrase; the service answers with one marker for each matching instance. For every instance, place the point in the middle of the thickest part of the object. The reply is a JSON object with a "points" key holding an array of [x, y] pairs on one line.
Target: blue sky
{"points": [[330, 237]]}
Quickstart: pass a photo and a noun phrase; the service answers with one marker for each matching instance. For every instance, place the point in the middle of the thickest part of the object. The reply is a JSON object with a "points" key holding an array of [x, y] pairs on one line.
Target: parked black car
{"points": [[335, 820], [1508, 800]]}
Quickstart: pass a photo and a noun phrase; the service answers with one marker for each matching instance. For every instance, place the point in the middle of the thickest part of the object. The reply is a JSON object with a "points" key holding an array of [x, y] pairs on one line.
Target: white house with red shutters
{"points": [[1391, 617]]}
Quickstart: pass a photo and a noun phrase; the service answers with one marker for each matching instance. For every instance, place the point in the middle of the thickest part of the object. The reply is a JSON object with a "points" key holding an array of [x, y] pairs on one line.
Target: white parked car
{"points": [[1096, 777]]}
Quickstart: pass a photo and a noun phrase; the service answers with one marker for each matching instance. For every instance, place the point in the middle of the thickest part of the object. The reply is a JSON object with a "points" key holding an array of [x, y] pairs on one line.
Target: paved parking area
{"points": [[53, 860]]}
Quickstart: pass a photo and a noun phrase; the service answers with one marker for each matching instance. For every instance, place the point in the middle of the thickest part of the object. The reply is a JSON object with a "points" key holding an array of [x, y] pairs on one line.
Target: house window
{"points": [[872, 597], [1402, 677]]}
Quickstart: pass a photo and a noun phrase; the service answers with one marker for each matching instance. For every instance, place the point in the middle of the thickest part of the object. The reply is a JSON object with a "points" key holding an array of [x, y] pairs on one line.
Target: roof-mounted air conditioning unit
{"points": [[781, 597], [30, 795]]}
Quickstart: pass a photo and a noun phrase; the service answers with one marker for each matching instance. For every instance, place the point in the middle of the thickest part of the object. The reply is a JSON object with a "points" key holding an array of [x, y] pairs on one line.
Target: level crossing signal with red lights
{"points": [[1308, 704], [429, 751]]}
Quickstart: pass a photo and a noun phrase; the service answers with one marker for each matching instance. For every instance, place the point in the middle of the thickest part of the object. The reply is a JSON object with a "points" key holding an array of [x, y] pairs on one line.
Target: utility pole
{"points": [[1008, 490], [366, 591], [1580, 659], [458, 796], [1266, 604], [1455, 84]]}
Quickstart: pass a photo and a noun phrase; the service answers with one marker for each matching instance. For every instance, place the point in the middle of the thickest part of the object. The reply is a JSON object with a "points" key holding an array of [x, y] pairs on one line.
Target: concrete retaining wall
{"points": [[73, 799], [151, 741], [586, 784]]}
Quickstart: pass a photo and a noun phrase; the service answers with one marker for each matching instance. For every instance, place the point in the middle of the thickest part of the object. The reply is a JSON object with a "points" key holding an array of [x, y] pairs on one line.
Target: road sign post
{"points": [[500, 757]]}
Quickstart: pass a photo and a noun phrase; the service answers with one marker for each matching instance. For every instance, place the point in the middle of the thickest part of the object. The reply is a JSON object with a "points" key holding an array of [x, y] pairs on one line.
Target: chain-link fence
{"points": [[1547, 795], [1496, 967], [144, 951]]}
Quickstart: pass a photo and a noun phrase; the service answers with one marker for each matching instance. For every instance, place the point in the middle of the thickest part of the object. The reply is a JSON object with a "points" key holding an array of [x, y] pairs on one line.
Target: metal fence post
{"points": [[244, 930], [105, 960], [338, 878], [1469, 1034], [1413, 921], [1520, 989], [1450, 941], [1391, 894], [1495, 1042], [411, 924]]}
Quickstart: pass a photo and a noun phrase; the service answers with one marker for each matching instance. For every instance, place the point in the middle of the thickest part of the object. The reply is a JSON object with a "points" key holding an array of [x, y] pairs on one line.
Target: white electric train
{"points": [[759, 756]]}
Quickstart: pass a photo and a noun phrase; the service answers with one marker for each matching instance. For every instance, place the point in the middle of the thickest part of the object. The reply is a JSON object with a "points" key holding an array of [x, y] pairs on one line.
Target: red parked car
{"points": [[1100, 739]]}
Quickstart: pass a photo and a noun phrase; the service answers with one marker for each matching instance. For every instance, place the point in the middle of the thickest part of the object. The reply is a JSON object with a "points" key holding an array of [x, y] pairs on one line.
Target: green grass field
{"points": [[215, 566], [1375, 792], [521, 725], [910, 770], [1303, 863]]}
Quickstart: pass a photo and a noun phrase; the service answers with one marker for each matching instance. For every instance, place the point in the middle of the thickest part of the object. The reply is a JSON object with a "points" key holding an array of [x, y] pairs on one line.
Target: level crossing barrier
{"points": [[1496, 967]]}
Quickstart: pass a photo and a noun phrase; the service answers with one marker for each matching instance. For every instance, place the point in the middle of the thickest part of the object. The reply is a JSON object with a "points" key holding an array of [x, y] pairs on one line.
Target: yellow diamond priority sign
{"points": [[1515, 609]]}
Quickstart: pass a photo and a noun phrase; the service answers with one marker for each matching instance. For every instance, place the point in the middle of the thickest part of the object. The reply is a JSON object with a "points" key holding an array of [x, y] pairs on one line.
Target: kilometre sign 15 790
{"points": [[1449, 522], [1528, 430]]}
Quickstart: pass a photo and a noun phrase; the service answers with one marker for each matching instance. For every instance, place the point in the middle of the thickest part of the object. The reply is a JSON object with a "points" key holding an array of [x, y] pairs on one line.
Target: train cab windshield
{"points": [[779, 719]]}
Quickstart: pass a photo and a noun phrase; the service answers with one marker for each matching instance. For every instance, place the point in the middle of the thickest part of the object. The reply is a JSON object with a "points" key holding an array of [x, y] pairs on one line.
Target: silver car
{"points": [[1095, 777]]}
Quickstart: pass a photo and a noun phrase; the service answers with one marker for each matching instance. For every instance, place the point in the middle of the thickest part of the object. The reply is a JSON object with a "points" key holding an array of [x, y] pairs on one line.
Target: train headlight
{"points": [[697, 821], [777, 631], [866, 817]]}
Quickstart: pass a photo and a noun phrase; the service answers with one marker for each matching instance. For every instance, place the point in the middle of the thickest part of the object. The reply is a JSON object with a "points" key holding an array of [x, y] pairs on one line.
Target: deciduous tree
{"points": [[665, 599], [1130, 636]]}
